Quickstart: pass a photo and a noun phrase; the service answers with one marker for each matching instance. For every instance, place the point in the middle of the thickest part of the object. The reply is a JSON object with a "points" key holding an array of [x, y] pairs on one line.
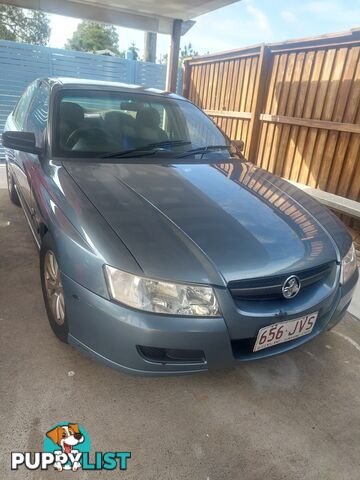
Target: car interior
{"points": [[90, 130]]}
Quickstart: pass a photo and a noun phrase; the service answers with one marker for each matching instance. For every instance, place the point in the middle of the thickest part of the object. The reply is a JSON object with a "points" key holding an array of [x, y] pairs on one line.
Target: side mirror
{"points": [[238, 147], [23, 141]]}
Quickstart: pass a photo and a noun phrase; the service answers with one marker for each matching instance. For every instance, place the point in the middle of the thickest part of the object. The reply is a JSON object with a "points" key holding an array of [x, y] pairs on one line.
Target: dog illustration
{"points": [[66, 436]]}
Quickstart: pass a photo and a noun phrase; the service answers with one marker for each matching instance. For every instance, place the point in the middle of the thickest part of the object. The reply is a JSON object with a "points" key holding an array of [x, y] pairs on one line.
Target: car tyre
{"points": [[53, 292], [14, 197]]}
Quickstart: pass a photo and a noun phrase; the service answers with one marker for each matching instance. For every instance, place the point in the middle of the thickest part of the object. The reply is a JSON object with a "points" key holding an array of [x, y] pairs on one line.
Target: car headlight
{"points": [[159, 296], [348, 264]]}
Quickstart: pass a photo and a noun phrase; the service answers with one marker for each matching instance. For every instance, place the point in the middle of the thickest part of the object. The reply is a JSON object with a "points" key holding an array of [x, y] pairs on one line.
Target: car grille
{"points": [[271, 287]]}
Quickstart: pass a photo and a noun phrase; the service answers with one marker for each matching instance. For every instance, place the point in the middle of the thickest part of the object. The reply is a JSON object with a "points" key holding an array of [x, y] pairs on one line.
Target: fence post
{"points": [[258, 103]]}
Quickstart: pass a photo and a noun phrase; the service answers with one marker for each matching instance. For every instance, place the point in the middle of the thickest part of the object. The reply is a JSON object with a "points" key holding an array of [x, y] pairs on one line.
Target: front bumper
{"points": [[113, 333]]}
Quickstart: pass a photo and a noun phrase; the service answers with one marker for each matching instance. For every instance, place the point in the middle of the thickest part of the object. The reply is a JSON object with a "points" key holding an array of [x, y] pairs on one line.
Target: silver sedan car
{"points": [[162, 251]]}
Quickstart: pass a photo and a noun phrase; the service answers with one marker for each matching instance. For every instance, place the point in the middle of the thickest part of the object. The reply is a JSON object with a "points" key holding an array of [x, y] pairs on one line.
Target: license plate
{"points": [[285, 331]]}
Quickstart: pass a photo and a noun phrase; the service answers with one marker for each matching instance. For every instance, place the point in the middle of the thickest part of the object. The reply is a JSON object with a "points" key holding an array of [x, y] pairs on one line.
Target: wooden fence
{"points": [[296, 105]]}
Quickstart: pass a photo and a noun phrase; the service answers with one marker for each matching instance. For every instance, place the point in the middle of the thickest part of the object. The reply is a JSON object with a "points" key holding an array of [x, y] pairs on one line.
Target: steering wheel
{"points": [[89, 133]]}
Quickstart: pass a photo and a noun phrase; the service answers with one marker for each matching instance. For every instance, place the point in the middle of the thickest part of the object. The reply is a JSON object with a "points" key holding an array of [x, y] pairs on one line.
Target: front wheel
{"points": [[14, 197], [52, 288]]}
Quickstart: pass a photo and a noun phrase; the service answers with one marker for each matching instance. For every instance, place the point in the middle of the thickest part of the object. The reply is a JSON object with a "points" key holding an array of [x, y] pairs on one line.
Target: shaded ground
{"points": [[296, 416]]}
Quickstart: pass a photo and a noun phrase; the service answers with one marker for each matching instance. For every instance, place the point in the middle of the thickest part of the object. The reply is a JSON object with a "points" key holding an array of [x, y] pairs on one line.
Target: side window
{"points": [[23, 106], [38, 114]]}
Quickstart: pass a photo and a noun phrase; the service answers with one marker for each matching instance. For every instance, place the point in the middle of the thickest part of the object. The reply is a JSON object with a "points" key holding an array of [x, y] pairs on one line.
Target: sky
{"points": [[243, 23]]}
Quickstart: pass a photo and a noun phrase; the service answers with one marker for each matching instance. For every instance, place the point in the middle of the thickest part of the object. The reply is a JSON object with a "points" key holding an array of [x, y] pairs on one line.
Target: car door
{"points": [[36, 123], [15, 158]]}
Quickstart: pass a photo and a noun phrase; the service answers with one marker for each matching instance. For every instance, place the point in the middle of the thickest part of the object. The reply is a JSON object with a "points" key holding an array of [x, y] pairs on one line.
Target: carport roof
{"points": [[147, 15], [158, 16]]}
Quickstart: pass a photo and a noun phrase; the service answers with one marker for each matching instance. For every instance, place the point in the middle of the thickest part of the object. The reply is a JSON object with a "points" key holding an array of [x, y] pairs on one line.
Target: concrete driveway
{"points": [[296, 416]]}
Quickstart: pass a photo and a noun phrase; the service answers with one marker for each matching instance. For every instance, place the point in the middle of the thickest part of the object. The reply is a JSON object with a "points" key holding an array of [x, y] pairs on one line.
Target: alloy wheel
{"points": [[54, 288]]}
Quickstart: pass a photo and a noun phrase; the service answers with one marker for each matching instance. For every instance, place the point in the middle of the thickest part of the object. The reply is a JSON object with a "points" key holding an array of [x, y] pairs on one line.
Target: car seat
{"points": [[148, 129], [121, 127]]}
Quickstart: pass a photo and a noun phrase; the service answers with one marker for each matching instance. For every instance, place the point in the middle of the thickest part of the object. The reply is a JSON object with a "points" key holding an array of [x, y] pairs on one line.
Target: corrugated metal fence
{"points": [[296, 105], [21, 63]]}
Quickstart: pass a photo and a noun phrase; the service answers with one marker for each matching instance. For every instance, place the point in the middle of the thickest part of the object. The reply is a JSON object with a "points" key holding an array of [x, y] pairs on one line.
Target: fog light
{"points": [[171, 355]]}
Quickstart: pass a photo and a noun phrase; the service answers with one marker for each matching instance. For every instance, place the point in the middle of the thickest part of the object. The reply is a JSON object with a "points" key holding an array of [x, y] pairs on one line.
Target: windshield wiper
{"points": [[202, 150], [148, 149]]}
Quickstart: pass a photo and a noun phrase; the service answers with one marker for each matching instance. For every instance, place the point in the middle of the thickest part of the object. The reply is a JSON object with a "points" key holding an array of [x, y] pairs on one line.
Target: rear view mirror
{"points": [[130, 106], [23, 141], [238, 147]]}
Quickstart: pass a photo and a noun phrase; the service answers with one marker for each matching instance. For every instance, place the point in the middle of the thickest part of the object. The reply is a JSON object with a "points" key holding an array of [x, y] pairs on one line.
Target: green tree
{"points": [[163, 59], [22, 25], [134, 51], [92, 36], [187, 51]]}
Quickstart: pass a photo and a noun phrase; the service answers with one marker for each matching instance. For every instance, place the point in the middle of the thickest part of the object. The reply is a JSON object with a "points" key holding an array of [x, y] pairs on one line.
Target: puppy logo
{"points": [[67, 447], [70, 438]]}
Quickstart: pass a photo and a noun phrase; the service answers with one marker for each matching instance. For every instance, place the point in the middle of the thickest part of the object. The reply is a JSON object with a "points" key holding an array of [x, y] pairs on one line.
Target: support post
{"points": [[186, 78], [173, 60], [150, 47]]}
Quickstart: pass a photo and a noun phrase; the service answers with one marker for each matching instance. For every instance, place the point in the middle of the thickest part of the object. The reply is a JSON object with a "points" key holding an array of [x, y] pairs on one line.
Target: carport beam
{"points": [[173, 60]]}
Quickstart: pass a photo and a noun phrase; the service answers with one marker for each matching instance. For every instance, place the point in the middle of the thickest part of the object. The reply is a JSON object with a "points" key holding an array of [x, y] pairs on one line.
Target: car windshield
{"points": [[108, 123]]}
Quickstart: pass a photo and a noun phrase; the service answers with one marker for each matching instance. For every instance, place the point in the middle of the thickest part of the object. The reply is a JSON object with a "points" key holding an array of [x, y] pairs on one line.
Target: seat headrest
{"points": [[118, 118], [71, 113], [149, 117]]}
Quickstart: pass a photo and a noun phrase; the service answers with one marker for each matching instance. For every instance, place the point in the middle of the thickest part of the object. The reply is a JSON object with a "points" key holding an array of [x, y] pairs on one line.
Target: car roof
{"points": [[123, 87]]}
